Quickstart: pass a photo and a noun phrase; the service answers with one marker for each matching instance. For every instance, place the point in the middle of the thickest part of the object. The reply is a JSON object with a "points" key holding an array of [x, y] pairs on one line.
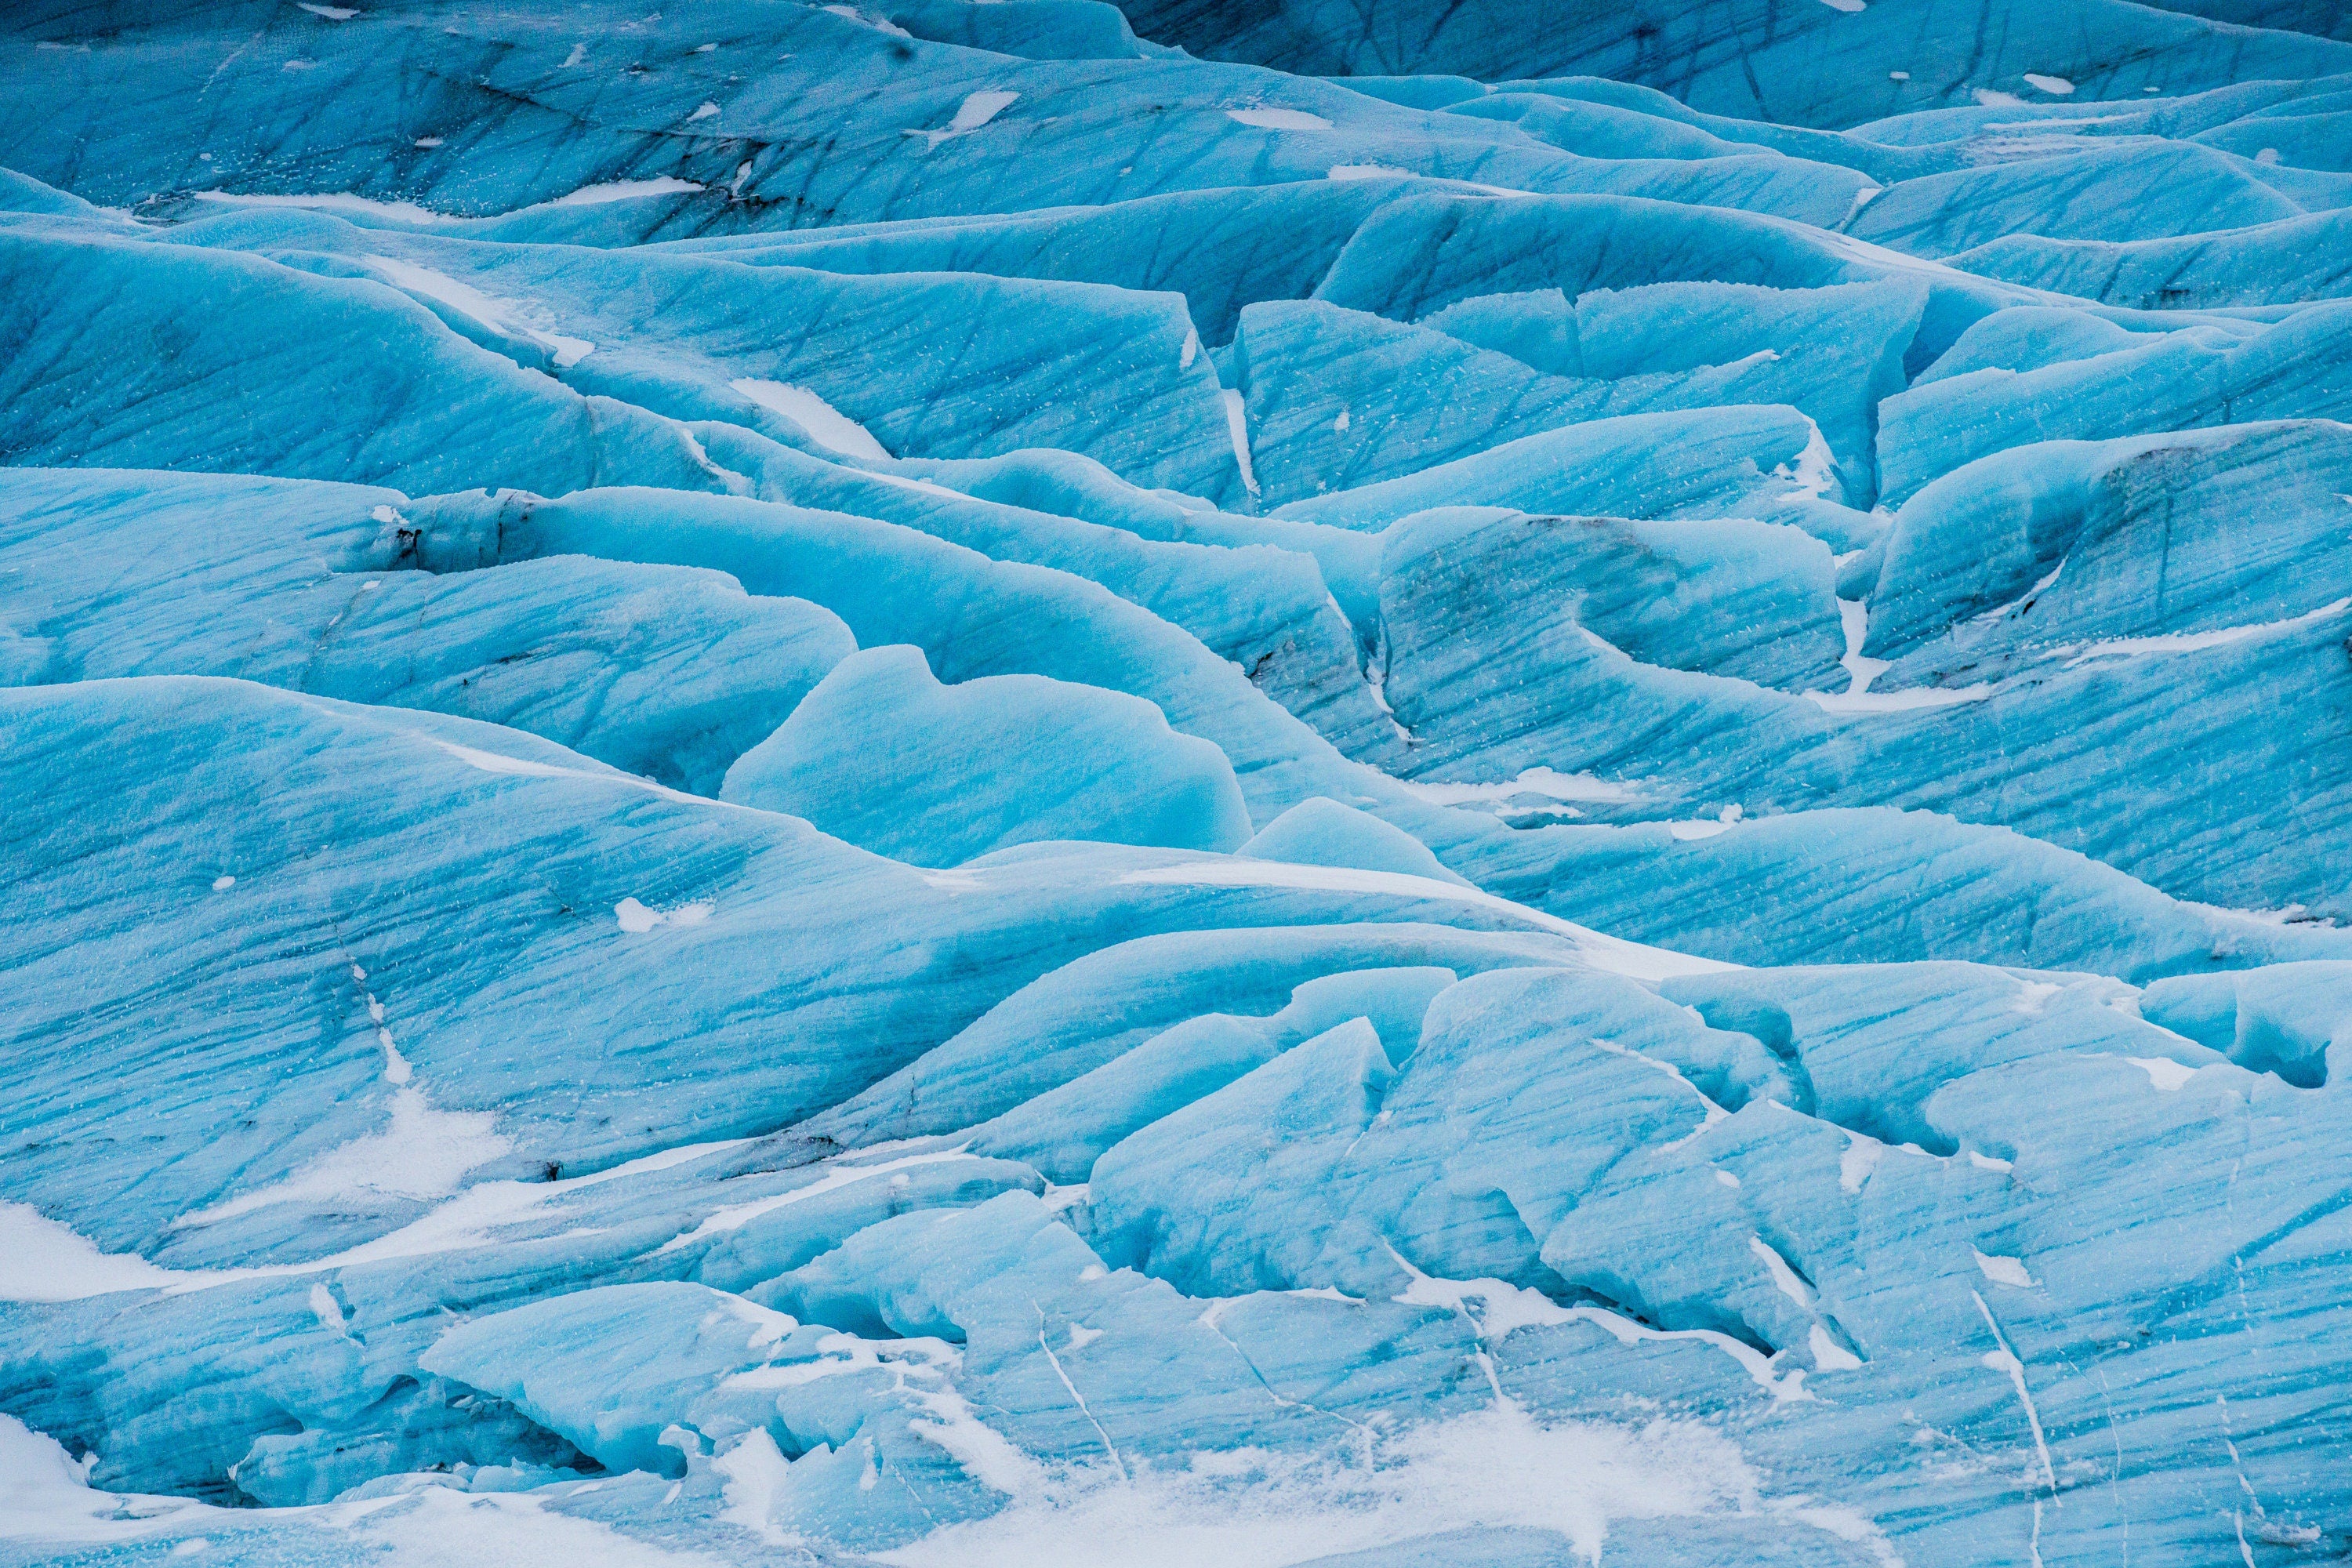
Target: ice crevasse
{"points": [[949, 783]]}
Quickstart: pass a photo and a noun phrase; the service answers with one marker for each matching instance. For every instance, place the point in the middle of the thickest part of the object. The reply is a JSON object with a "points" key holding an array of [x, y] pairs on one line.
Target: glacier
{"points": [[946, 783]]}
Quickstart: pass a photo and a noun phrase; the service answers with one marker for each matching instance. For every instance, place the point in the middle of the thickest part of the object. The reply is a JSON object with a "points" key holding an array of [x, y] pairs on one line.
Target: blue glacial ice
{"points": [[1291, 785]]}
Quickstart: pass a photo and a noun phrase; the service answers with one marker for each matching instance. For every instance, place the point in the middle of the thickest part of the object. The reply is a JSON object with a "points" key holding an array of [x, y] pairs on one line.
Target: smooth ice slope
{"points": [[948, 783], [882, 754]]}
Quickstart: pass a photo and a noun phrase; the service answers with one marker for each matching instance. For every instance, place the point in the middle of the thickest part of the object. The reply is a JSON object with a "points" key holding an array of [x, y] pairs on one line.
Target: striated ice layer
{"points": [[955, 783]]}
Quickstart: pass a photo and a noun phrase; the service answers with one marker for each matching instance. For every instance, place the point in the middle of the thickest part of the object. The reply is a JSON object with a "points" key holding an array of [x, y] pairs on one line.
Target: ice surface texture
{"points": [[1382, 784]]}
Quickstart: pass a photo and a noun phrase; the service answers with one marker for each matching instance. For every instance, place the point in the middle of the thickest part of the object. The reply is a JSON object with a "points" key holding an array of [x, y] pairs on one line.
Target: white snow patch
{"points": [[1237, 427], [396, 1069], [1190, 349], [1853, 618], [1989, 1163], [43, 1259], [637, 918], [498, 763], [1993, 97], [2022, 601], [579, 53], [331, 13], [1544, 782], [421, 1152], [326, 1309], [411, 213], [70, 1267], [1345, 173], [1899, 702], [2004, 1360], [984, 1453], [709, 110], [619, 191], [2052, 84], [427, 141], [734, 1217], [1494, 1468], [1503, 1307], [44, 1494], [1279, 119], [1815, 467], [1784, 1278], [2165, 1073], [825, 424], [1861, 1155], [754, 1470], [1326, 1292], [978, 108], [2034, 997], [1851, 7], [2003, 1270], [407, 212], [1858, 699], [513, 1529], [2076, 654], [222, 884], [1614, 954], [1828, 1354], [1749, 362], [1755, 1362], [2285, 914], [497, 315], [462, 1223]]}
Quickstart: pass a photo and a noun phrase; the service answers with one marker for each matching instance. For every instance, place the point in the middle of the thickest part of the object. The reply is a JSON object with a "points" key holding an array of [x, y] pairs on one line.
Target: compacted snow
{"points": [[952, 783]]}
